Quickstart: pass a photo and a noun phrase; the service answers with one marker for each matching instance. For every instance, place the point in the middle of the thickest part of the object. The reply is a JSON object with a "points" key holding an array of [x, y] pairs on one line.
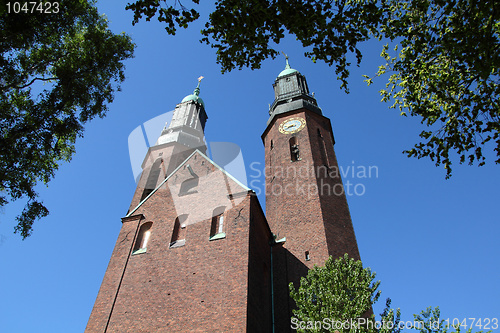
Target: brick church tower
{"points": [[195, 251], [305, 199]]}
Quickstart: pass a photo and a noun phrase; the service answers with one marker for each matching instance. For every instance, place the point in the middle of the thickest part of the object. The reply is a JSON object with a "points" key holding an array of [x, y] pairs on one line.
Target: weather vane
{"points": [[199, 80], [286, 58]]}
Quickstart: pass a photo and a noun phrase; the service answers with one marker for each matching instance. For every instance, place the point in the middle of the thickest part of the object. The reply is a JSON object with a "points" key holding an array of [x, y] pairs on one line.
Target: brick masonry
{"points": [[305, 203], [221, 285], [238, 282]]}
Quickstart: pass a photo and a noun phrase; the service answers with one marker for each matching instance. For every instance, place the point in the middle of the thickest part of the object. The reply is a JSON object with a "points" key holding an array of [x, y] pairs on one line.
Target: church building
{"points": [[196, 252]]}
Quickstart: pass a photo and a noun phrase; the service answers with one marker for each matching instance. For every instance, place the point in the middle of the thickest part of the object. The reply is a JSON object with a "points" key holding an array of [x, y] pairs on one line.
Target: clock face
{"points": [[292, 125]]}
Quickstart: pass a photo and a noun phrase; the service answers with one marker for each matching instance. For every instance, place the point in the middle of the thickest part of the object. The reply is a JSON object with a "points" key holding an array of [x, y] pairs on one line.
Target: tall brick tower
{"points": [[182, 137], [305, 199], [193, 252]]}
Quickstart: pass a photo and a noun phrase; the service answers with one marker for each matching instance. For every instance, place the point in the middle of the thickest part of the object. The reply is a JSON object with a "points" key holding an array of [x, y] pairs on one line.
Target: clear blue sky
{"points": [[432, 242]]}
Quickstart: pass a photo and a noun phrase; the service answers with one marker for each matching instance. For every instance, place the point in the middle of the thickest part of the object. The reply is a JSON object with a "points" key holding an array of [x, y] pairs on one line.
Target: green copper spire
{"points": [[288, 69], [287, 64], [195, 96]]}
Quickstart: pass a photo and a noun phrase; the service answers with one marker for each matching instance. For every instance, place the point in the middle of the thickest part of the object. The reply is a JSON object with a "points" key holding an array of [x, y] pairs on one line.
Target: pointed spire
{"points": [[286, 58], [195, 95], [197, 89], [165, 129], [288, 69]]}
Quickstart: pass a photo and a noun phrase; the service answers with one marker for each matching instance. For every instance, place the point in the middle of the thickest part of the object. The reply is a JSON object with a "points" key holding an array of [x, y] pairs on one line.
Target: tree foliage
{"points": [[343, 292], [447, 73], [446, 70], [57, 72], [242, 31], [339, 296], [341, 289], [429, 321]]}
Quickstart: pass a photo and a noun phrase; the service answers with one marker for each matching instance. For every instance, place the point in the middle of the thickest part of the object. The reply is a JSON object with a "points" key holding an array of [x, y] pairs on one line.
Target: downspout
{"points": [[272, 284], [123, 273], [272, 243]]}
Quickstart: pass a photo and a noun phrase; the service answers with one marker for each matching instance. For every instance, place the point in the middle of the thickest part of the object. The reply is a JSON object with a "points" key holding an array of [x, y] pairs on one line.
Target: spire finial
{"points": [[197, 89], [199, 80], [286, 58]]}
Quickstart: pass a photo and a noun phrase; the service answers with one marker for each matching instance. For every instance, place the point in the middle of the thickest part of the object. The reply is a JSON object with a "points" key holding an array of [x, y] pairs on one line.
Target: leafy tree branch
{"points": [[446, 69], [58, 72]]}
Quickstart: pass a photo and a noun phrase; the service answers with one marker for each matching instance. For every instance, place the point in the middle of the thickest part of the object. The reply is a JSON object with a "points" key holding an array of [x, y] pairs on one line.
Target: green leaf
{"points": [[81, 63]]}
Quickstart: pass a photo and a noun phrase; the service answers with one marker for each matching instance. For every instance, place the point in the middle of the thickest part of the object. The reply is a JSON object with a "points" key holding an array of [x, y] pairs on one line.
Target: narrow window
{"points": [[141, 243], [179, 232], [294, 149], [152, 180], [271, 157], [307, 256], [324, 153], [217, 226], [220, 224], [146, 192]]}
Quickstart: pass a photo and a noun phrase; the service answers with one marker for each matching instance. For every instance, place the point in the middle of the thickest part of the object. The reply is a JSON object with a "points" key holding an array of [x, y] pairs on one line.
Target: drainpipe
{"points": [[124, 269], [272, 243], [272, 283]]}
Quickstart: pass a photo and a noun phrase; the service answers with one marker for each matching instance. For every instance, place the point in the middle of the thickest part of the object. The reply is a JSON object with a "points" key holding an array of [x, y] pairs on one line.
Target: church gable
{"points": [[197, 254], [201, 183], [197, 190]]}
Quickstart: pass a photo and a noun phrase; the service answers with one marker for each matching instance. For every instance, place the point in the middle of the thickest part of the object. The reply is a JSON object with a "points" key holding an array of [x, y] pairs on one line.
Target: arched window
{"points": [[141, 243], [294, 149], [217, 226], [179, 232], [188, 186], [154, 173]]}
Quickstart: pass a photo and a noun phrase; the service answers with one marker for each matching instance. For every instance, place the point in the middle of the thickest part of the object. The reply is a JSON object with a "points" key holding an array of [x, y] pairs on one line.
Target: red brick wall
{"points": [[172, 155], [203, 286], [311, 219], [339, 230], [110, 285], [259, 272]]}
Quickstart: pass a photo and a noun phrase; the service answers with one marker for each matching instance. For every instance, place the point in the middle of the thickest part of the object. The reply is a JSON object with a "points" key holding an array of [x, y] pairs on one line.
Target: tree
{"points": [[342, 292], [58, 71], [429, 321], [339, 296], [446, 72]]}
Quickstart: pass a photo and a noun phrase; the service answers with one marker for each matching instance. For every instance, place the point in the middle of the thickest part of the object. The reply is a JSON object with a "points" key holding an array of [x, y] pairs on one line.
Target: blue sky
{"points": [[431, 241]]}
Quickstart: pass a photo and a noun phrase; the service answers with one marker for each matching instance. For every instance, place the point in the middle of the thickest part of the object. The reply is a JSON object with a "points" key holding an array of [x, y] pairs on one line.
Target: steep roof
{"points": [[241, 186]]}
